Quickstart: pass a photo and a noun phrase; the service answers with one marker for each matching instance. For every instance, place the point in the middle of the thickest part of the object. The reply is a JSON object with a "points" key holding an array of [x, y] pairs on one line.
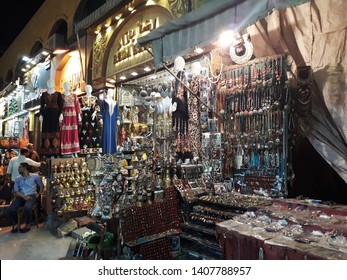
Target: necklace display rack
{"points": [[255, 99]]}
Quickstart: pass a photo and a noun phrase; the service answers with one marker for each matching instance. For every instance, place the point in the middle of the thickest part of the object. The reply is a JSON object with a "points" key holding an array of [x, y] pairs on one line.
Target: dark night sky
{"points": [[14, 18]]}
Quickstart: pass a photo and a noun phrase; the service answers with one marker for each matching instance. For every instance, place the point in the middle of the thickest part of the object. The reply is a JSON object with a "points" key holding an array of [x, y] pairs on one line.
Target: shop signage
{"points": [[124, 55], [126, 44], [31, 96], [126, 99]]}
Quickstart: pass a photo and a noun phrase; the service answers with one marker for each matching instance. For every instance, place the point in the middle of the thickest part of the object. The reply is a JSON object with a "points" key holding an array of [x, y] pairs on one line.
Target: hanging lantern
{"points": [[179, 63], [196, 68]]}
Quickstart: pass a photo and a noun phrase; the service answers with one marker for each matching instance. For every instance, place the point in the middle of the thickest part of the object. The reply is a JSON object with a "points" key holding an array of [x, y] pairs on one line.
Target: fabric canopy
{"points": [[204, 25]]}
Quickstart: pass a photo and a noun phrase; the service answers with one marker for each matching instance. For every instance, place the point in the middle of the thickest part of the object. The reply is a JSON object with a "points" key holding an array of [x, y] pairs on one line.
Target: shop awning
{"points": [[204, 25]]}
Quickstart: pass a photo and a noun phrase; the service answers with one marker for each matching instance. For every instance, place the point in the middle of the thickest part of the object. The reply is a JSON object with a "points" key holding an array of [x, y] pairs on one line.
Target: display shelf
{"points": [[197, 254], [210, 249], [199, 228], [151, 238]]}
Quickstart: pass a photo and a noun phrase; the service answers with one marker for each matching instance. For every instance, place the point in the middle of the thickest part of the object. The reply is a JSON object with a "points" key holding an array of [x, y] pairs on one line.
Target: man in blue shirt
{"points": [[25, 188]]}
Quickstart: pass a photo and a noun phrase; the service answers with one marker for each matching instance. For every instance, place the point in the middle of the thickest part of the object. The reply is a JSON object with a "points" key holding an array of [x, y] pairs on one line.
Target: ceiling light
{"points": [[107, 24], [111, 81], [45, 53], [97, 31], [74, 53], [25, 58], [60, 51], [33, 62], [134, 73], [23, 69], [130, 8], [118, 17], [27, 66], [122, 78], [198, 50], [227, 38], [78, 91], [147, 69]]}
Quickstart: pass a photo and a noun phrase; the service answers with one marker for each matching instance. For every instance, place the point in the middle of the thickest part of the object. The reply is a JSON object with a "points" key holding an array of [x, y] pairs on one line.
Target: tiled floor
{"points": [[37, 244]]}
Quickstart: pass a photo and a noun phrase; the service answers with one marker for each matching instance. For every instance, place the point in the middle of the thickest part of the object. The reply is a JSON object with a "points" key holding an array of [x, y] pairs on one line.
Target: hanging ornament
{"points": [[242, 51], [196, 68], [179, 63]]}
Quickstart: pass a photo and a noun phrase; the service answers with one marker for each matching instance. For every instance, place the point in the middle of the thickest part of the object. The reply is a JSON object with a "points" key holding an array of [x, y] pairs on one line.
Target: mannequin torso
{"points": [[50, 86], [88, 100], [66, 86]]}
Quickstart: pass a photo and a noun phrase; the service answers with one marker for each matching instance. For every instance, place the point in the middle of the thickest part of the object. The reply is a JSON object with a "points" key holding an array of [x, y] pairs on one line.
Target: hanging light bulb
{"points": [[196, 68], [179, 63]]}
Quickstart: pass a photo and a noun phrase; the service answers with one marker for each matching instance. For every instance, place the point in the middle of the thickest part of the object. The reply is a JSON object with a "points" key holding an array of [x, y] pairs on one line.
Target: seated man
{"points": [[25, 188]]}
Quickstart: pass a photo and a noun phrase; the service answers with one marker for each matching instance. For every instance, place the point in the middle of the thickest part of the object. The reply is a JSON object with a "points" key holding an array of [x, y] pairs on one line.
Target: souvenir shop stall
{"points": [[232, 152], [14, 123], [211, 159], [202, 161]]}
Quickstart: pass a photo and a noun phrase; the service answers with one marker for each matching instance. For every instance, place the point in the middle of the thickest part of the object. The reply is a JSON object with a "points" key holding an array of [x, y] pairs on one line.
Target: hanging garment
{"points": [[51, 108], [180, 118], [90, 132], [110, 115], [194, 126], [69, 138]]}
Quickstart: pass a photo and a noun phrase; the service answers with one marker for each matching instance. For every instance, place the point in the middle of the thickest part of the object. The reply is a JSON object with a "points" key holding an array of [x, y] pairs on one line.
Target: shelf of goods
{"points": [[72, 192], [147, 229], [286, 229]]}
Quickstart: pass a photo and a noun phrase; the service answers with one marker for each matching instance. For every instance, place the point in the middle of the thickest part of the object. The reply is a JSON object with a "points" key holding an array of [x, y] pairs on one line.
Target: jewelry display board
{"points": [[255, 102]]}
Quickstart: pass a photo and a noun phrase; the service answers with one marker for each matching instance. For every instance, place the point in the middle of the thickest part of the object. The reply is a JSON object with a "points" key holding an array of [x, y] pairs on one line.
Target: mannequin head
{"points": [[50, 86], [110, 93], [88, 90], [66, 86]]}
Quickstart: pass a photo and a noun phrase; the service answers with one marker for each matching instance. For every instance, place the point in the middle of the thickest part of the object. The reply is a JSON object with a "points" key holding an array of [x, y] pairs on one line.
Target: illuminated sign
{"points": [[126, 44]]}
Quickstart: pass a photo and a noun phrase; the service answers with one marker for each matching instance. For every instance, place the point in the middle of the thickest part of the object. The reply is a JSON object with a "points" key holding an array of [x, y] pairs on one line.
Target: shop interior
{"points": [[204, 158]]}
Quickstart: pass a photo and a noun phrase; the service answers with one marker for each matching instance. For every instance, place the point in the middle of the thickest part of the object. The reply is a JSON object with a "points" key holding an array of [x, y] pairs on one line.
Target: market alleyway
{"points": [[37, 244]]}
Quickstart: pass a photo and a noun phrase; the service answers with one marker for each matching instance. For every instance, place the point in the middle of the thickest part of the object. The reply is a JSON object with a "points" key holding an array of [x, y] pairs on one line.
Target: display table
{"points": [[302, 231]]}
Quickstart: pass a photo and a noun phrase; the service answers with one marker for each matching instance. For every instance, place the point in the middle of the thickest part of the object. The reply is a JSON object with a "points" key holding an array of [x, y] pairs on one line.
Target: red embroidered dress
{"points": [[69, 127]]}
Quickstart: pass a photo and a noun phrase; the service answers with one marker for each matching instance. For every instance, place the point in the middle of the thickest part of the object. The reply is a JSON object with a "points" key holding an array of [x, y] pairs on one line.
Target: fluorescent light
{"points": [[111, 81], [97, 31], [134, 73], [118, 17], [45, 53], [33, 62], [23, 69], [25, 58], [147, 69], [122, 78]]}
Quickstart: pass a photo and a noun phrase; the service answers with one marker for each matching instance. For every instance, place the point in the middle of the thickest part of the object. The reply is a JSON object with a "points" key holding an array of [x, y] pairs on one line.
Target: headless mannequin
{"points": [[50, 90]]}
